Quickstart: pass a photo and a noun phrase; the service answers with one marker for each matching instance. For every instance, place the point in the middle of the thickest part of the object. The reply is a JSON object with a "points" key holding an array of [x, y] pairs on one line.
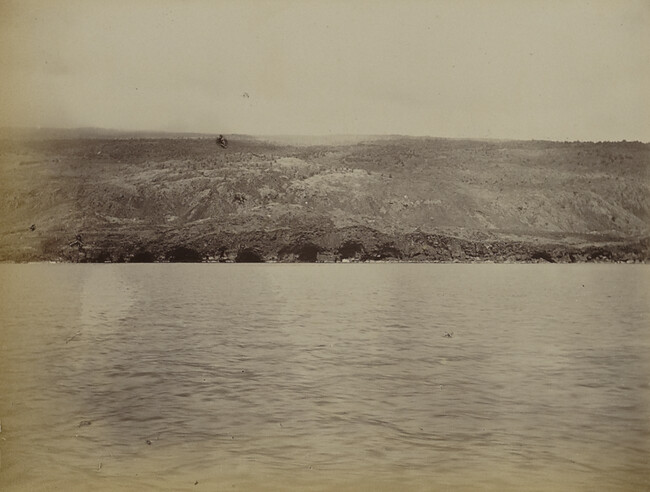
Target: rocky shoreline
{"points": [[353, 244]]}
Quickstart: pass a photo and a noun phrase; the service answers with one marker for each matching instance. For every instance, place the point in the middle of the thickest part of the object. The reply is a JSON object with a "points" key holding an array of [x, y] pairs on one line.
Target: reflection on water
{"points": [[325, 377]]}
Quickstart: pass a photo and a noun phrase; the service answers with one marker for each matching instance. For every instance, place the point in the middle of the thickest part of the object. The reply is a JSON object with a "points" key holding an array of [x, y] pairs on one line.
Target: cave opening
{"points": [[183, 254], [248, 255], [351, 249], [307, 253], [143, 256]]}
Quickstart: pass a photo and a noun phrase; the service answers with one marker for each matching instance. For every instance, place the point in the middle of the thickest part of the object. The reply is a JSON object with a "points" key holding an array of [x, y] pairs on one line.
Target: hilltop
{"points": [[97, 196]]}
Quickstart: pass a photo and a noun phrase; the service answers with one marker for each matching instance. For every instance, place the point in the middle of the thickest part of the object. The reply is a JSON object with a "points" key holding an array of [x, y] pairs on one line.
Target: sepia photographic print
{"points": [[283, 245]]}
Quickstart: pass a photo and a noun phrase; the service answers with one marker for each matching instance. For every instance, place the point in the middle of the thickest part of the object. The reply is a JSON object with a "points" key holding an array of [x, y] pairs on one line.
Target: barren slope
{"points": [[389, 197]]}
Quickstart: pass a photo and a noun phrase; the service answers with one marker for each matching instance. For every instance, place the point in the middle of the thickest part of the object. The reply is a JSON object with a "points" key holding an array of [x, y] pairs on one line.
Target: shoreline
{"points": [[343, 262], [356, 244], [370, 262]]}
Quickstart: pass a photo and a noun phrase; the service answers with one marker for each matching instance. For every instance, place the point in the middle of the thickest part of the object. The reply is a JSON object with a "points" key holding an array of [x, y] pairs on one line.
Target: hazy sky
{"points": [[501, 68]]}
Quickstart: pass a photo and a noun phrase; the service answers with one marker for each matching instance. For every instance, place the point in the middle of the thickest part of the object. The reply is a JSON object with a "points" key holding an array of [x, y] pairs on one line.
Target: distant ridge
{"points": [[53, 133], [28, 133]]}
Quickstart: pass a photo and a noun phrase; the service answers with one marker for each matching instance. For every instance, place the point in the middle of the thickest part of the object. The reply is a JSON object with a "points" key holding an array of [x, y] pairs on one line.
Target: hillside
{"points": [[416, 199]]}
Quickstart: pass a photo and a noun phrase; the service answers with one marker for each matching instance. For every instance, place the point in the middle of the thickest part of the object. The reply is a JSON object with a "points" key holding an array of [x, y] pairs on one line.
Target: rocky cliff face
{"points": [[409, 199]]}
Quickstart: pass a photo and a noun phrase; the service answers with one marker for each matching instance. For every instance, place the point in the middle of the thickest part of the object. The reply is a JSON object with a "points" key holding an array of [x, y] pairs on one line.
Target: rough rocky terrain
{"points": [[111, 197]]}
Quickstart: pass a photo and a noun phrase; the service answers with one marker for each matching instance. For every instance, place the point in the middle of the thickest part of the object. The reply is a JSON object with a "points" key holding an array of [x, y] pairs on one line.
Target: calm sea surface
{"points": [[325, 377]]}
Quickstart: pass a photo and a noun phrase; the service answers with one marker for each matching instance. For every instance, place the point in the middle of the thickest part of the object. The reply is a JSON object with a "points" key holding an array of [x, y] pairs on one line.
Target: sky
{"points": [[559, 70]]}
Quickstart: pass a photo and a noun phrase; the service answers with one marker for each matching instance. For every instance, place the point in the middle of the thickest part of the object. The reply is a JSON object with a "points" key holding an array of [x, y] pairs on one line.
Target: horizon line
{"points": [[179, 133]]}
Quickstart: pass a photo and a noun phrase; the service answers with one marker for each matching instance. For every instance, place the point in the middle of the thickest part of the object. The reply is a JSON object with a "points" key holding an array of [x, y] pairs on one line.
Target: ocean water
{"points": [[324, 377]]}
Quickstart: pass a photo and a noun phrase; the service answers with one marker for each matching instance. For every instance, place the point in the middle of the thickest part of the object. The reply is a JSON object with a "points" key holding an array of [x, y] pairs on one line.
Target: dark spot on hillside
{"points": [[249, 255], [542, 255], [100, 256], [351, 249], [143, 256], [182, 254], [307, 253], [598, 254], [387, 251]]}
